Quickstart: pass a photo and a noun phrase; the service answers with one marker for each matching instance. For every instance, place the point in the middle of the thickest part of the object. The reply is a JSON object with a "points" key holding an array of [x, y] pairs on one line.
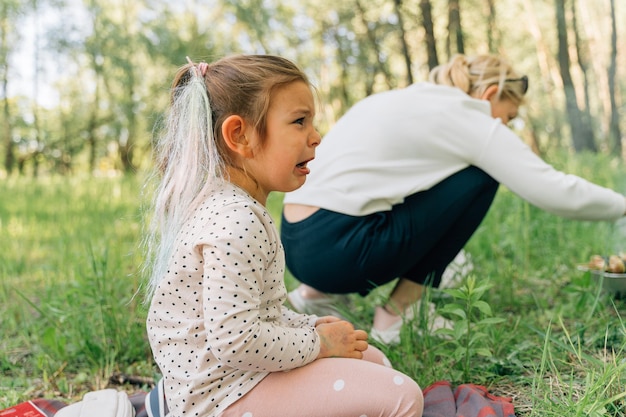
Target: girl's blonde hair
{"points": [[475, 74], [190, 153]]}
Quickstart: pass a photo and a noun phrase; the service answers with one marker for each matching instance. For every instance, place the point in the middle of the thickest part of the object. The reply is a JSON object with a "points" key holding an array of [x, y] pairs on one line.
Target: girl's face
{"points": [[280, 164]]}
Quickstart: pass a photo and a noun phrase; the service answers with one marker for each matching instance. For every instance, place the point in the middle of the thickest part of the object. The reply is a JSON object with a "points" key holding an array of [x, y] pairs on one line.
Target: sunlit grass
{"points": [[69, 272], [69, 275]]}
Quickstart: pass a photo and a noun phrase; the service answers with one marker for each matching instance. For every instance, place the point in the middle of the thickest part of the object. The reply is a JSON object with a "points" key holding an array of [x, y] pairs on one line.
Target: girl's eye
{"points": [[300, 121]]}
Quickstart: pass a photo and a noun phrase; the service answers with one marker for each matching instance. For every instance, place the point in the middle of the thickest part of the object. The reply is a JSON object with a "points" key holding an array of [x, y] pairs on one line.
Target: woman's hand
{"points": [[339, 339]]}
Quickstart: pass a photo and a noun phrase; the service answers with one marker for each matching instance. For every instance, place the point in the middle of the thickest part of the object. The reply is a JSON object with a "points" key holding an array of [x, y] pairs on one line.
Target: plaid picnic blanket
{"points": [[467, 400]]}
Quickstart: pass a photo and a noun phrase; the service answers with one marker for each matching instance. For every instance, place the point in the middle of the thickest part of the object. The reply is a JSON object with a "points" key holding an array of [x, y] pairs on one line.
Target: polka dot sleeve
{"points": [[293, 319], [243, 291]]}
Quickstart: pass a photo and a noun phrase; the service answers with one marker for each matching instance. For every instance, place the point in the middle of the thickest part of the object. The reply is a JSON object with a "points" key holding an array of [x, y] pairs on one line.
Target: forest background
{"points": [[112, 62], [83, 83]]}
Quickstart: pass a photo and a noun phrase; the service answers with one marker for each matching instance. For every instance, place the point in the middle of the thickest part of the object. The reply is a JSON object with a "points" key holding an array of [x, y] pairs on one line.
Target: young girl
{"points": [[238, 129]]}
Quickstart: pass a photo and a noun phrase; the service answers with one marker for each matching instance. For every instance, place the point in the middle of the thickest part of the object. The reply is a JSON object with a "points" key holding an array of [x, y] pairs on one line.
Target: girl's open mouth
{"points": [[302, 167], [303, 163]]}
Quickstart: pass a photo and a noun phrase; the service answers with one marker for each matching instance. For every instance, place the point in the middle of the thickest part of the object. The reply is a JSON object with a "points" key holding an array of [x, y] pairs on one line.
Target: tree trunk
{"points": [[9, 149], [493, 36], [345, 99], [427, 22], [550, 79], [455, 34], [582, 56], [371, 37], [533, 138], [126, 142], [127, 136], [94, 114], [580, 134], [37, 67], [615, 135], [405, 46]]}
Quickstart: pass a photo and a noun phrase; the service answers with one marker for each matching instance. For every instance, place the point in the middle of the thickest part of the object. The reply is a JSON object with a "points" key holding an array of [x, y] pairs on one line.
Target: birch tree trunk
{"points": [[455, 32], [615, 135], [7, 129], [550, 79], [427, 23], [403, 41], [583, 62], [370, 34], [581, 136], [493, 35]]}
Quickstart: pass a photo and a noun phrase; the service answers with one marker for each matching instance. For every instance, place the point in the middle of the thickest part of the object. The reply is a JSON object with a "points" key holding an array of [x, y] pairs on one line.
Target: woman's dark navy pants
{"points": [[416, 240]]}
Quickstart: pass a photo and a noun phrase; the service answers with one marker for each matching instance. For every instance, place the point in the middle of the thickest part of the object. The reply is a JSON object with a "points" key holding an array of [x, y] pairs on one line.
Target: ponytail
{"points": [[473, 75], [454, 74], [188, 161]]}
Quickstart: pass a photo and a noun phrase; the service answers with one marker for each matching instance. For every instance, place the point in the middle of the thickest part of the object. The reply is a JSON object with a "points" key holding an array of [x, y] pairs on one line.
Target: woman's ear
{"points": [[234, 133], [490, 93]]}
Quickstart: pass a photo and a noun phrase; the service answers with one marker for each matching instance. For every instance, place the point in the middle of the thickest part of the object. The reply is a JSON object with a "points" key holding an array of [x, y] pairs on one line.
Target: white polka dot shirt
{"points": [[217, 325]]}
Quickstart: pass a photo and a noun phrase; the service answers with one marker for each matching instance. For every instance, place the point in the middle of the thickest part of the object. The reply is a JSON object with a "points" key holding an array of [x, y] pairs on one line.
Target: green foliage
{"points": [[123, 56], [472, 317]]}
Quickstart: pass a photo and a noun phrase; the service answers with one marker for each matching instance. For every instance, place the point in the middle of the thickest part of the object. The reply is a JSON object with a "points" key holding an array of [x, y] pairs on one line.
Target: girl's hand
{"points": [[326, 319], [339, 339]]}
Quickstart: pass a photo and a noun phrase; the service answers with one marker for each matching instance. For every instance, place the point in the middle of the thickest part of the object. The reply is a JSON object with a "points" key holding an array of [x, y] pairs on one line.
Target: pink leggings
{"points": [[334, 387]]}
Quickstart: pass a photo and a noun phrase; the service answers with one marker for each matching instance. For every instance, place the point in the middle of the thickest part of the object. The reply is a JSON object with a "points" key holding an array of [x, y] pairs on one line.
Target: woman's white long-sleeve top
{"points": [[393, 144]]}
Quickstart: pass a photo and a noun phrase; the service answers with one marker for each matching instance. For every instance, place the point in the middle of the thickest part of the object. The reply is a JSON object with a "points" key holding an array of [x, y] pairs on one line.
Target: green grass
{"points": [[544, 333], [68, 277]]}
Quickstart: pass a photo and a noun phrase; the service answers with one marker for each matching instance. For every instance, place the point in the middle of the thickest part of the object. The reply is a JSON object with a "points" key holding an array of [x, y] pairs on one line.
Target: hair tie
{"points": [[200, 69]]}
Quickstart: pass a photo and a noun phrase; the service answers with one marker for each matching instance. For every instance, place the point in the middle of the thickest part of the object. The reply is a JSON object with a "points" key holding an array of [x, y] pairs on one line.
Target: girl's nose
{"points": [[315, 138]]}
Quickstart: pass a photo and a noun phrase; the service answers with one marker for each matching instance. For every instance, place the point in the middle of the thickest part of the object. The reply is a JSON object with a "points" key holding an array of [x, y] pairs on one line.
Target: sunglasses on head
{"points": [[523, 80]]}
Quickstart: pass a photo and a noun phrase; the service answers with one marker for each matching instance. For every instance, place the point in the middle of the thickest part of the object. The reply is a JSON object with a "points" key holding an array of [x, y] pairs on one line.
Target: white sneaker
{"points": [[388, 336], [319, 306], [460, 267], [391, 335]]}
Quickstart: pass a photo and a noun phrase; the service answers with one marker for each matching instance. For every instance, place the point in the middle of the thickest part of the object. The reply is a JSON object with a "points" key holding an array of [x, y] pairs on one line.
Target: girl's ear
{"points": [[490, 93], [234, 133]]}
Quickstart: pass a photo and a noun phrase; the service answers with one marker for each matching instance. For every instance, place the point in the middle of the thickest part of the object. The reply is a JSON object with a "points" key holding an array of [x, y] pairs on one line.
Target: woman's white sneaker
{"points": [[328, 305]]}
